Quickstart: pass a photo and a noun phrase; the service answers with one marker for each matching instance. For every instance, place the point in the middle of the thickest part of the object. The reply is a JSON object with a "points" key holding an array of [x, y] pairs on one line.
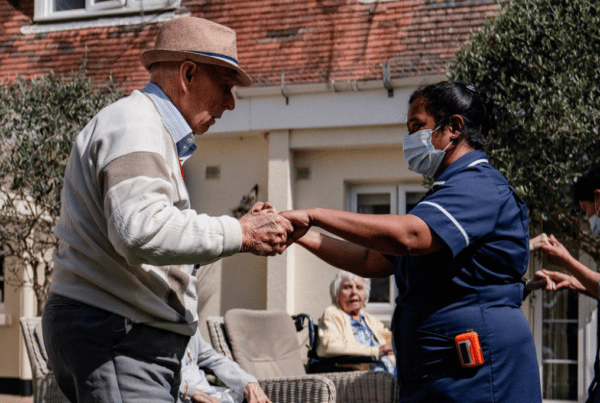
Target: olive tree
{"points": [[39, 119], [540, 61]]}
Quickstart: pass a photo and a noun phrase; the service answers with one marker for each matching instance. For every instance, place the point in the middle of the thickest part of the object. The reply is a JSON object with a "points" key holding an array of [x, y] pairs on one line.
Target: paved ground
{"points": [[15, 399]]}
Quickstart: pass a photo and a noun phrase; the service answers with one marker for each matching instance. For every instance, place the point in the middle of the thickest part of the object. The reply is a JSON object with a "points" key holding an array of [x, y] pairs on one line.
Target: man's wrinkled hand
{"points": [[264, 232], [263, 206]]}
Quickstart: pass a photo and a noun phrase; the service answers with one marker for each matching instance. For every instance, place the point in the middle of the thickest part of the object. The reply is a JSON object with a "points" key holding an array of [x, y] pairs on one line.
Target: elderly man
{"points": [[123, 303], [199, 357]]}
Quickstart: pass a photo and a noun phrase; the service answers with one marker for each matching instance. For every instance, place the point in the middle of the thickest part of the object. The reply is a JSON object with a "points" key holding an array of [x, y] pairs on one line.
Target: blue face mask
{"points": [[421, 155], [595, 221]]}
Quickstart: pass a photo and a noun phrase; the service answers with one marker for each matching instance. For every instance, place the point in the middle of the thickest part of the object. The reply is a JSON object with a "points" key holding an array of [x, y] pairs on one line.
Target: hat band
{"points": [[228, 59]]}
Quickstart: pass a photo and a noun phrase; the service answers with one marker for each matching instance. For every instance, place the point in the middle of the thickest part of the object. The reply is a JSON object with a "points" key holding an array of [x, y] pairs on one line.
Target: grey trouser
{"points": [[98, 356]]}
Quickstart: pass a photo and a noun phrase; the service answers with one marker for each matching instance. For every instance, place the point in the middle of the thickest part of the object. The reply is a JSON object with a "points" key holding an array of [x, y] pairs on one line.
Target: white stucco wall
{"points": [[240, 280]]}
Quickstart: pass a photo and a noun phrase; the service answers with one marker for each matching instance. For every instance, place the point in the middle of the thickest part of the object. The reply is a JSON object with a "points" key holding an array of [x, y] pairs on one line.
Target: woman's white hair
{"points": [[334, 287]]}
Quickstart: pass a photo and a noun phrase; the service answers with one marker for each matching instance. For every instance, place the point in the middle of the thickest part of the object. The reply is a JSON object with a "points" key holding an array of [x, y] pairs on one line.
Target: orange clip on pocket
{"points": [[469, 349]]}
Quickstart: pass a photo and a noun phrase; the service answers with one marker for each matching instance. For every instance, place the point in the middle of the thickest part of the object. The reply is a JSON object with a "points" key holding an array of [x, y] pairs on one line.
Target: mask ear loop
{"points": [[436, 129], [451, 141], [449, 144]]}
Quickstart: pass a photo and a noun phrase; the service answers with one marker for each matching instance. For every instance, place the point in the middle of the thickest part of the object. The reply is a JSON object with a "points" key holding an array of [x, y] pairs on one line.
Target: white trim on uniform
{"points": [[443, 210], [477, 162]]}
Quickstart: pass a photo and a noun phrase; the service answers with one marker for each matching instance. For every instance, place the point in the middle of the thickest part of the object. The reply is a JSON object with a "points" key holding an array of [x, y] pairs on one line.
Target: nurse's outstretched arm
{"points": [[397, 235], [346, 255]]}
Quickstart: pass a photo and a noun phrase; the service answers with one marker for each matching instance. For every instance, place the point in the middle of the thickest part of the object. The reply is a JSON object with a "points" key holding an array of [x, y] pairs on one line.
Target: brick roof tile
{"points": [[311, 41]]}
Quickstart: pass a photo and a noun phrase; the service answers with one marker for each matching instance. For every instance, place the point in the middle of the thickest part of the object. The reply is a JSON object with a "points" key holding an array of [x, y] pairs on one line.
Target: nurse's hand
{"points": [[300, 220]]}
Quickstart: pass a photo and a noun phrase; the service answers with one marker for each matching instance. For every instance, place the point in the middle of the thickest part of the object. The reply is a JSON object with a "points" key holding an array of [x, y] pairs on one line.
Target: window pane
{"points": [[380, 290], [412, 198], [560, 344], [373, 203], [62, 5], [376, 203], [560, 341], [383, 200], [560, 381], [559, 332]]}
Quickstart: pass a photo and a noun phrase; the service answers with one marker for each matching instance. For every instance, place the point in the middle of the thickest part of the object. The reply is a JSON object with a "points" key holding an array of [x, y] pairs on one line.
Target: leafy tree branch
{"points": [[39, 119]]}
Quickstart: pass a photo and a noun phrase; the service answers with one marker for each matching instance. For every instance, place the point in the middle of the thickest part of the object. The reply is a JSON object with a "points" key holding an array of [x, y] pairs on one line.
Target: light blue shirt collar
{"points": [[176, 123]]}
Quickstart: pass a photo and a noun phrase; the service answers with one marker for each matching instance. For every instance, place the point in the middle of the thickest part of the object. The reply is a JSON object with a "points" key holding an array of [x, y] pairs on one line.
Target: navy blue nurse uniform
{"points": [[473, 283]]}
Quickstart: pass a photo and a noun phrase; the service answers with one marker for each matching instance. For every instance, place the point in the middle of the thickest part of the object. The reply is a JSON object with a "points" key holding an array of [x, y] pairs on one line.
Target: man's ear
{"points": [[186, 72]]}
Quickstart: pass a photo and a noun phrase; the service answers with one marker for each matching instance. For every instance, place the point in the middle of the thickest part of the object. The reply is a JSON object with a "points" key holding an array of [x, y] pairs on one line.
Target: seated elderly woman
{"points": [[346, 329]]}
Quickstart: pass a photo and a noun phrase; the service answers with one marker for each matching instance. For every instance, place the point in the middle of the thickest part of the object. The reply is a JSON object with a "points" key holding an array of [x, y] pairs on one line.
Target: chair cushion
{"points": [[264, 343]]}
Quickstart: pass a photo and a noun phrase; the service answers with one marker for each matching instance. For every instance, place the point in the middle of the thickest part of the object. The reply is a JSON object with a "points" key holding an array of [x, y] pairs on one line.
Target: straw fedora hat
{"points": [[199, 40]]}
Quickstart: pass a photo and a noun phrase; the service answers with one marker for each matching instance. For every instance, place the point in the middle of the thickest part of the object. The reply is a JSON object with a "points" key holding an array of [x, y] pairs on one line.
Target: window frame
{"points": [[43, 9], [586, 334], [398, 191]]}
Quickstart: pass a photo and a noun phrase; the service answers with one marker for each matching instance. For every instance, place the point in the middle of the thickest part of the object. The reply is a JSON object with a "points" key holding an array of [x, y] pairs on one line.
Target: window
{"points": [[564, 330], [387, 199], [53, 10], [560, 345]]}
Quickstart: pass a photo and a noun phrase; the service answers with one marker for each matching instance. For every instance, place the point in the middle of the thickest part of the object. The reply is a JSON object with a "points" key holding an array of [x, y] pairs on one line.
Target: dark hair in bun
{"points": [[448, 98], [584, 186]]}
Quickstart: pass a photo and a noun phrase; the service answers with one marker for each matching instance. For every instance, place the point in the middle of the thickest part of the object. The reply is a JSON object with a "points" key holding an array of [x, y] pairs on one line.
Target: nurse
{"points": [[458, 259]]}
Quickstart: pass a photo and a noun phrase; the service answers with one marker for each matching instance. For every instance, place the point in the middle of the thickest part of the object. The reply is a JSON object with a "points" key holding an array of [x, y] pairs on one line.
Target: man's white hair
{"points": [[334, 287]]}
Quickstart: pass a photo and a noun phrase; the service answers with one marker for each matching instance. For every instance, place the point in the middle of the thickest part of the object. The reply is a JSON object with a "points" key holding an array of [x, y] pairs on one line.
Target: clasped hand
{"points": [[265, 232]]}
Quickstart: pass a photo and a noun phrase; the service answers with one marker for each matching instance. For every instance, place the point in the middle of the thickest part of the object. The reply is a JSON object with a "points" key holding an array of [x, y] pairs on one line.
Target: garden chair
{"points": [[45, 388], [265, 344]]}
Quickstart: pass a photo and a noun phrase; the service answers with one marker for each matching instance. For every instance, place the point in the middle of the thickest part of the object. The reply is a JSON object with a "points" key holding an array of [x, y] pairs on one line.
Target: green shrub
{"points": [[540, 61], [39, 119]]}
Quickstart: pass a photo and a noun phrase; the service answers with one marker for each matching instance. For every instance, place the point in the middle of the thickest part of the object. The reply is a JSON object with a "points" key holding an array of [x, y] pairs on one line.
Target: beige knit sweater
{"points": [[336, 337]]}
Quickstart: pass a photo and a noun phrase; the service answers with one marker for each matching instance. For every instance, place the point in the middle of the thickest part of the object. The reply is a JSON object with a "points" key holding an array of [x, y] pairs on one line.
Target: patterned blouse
{"points": [[364, 335]]}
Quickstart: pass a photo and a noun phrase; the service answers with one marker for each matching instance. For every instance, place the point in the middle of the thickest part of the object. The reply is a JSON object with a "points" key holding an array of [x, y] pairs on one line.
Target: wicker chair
{"points": [[349, 387], [45, 388]]}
